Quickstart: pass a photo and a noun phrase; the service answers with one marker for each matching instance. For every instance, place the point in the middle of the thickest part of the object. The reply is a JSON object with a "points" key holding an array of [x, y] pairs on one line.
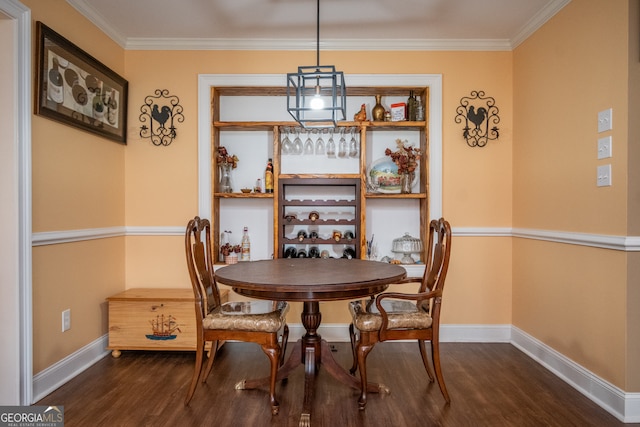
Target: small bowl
{"points": [[245, 190]]}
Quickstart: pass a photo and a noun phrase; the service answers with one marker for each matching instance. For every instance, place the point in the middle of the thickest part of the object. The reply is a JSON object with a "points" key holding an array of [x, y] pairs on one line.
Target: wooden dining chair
{"points": [[260, 322], [402, 316]]}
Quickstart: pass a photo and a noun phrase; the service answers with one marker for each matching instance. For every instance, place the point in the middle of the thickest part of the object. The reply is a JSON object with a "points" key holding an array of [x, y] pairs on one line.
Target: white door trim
{"points": [[22, 60]]}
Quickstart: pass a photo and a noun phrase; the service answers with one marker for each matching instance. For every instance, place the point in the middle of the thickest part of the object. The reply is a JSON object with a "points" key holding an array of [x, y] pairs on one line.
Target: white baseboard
{"points": [[624, 406], [63, 371]]}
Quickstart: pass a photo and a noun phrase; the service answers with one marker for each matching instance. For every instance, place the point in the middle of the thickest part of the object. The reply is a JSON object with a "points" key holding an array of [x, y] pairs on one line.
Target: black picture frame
{"points": [[74, 88]]}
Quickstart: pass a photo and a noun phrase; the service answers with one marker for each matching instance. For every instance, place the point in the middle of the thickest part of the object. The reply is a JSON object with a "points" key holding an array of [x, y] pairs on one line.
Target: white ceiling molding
{"points": [[538, 21], [508, 43], [325, 45]]}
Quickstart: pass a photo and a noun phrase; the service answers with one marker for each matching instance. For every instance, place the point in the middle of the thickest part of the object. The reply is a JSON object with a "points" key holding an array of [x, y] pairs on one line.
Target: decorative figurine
{"points": [[361, 115]]}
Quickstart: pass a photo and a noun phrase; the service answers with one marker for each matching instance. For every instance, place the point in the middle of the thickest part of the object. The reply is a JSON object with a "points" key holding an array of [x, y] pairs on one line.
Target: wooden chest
{"points": [[153, 319]]}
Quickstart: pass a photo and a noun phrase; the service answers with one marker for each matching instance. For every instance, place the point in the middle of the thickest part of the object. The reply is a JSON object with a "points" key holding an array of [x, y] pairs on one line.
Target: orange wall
{"points": [[482, 201], [540, 174], [78, 183], [572, 298]]}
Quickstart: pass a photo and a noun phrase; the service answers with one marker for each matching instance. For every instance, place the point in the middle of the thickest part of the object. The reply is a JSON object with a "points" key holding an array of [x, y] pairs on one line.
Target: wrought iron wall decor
{"points": [[478, 112], [161, 117]]}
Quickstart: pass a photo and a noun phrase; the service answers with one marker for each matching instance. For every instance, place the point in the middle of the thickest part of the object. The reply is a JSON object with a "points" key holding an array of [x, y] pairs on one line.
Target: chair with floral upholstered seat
{"points": [[401, 316], [260, 322]]}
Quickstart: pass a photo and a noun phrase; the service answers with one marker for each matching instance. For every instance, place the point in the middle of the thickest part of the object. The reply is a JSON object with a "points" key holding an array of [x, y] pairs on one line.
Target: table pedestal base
{"points": [[312, 351]]}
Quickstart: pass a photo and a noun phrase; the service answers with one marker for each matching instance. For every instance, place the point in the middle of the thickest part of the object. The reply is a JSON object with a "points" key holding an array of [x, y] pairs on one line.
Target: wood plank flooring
{"points": [[489, 384]]}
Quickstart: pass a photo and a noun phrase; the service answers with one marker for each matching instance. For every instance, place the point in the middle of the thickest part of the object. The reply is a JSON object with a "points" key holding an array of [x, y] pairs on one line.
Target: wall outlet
{"points": [[66, 320], [604, 176], [604, 147]]}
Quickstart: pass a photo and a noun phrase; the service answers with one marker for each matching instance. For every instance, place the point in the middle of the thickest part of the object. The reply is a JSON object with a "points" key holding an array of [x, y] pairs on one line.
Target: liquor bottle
{"points": [[112, 108], [245, 245], [302, 235], [419, 110], [411, 107], [268, 177], [349, 235], [55, 88], [302, 253]]}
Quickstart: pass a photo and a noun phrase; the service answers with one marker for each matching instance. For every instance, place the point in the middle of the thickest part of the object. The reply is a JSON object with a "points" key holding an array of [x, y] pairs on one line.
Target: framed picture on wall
{"points": [[74, 88]]}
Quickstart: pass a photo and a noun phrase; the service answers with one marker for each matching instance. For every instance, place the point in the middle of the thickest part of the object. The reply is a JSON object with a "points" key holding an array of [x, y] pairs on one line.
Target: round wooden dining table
{"points": [[310, 281]]}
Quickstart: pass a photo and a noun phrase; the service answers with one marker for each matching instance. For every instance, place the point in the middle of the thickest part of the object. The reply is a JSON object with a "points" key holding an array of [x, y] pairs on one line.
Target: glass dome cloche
{"points": [[407, 245]]}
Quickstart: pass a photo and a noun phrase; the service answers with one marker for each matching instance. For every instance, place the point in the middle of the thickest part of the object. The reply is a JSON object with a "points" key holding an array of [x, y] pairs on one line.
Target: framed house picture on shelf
{"points": [[74, 88]]}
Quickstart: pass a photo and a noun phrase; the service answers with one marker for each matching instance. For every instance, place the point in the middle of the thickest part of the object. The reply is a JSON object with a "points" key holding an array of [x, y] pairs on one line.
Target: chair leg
{"points": [[283, 346], [212, 355], [274, 356], [363, 352], [425, 361], [196, 373], [435, 353], [352, 337]]}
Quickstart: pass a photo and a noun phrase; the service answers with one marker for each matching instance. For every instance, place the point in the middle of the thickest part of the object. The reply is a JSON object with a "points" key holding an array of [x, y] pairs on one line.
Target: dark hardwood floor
{"points": [[489, 384]]}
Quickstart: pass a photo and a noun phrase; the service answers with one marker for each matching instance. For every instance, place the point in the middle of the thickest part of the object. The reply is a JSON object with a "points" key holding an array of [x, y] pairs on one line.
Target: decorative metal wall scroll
{"points": [[478, 112], [162, 112]]}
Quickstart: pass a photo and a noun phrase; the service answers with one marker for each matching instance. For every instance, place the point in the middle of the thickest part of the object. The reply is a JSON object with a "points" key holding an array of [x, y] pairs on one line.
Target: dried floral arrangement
{"points": [[225, 157], [406, 156]]}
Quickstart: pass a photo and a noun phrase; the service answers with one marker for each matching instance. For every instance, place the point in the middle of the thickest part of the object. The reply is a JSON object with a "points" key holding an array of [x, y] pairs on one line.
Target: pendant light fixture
{"points": [[316, 94]]}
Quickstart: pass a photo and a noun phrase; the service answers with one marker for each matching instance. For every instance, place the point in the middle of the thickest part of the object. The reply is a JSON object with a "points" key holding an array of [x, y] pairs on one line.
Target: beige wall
{"points": [[540, 174], [572, 298]]}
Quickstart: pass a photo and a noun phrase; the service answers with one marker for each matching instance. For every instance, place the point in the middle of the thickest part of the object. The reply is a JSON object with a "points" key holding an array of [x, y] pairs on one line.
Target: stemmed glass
{"points": [[297, 143], [320, 143], [331, 146], [287, 147], [353, 144], [342, 145], [308, 144]]}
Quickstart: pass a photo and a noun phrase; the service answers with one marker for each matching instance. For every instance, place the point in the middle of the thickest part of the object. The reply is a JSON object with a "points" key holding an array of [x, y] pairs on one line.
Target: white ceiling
{"points": [[344, 24]]}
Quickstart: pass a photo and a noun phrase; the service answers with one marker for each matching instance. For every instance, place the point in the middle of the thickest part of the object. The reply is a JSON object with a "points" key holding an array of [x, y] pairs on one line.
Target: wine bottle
{"points": [[55, 88], [112, 108], [98, 106], [268, 177], [245, 245]]}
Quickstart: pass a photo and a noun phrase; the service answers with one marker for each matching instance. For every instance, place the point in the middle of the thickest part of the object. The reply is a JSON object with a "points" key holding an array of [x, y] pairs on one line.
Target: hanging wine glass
{"points": [[353, 144], [287, 146], [297, 143], [308, 144], [342, 145], [331, 145], [320, 143]]}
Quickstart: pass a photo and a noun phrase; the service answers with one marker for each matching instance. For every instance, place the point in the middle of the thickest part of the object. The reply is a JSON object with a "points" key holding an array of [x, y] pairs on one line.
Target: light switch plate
{"points": [[604, 120], [604, 176], [604, 148]]}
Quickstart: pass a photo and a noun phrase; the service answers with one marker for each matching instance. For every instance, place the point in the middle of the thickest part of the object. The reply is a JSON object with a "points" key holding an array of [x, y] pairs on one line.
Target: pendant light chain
{"points": [[318, 33]]}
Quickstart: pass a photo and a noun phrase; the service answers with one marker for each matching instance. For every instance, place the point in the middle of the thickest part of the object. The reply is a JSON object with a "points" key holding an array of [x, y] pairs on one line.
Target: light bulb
{"points": [[316, 103]]}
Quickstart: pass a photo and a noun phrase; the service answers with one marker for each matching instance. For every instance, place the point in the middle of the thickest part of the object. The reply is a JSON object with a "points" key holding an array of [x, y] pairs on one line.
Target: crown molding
{"points": [[325, 45], [548, 12]]}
